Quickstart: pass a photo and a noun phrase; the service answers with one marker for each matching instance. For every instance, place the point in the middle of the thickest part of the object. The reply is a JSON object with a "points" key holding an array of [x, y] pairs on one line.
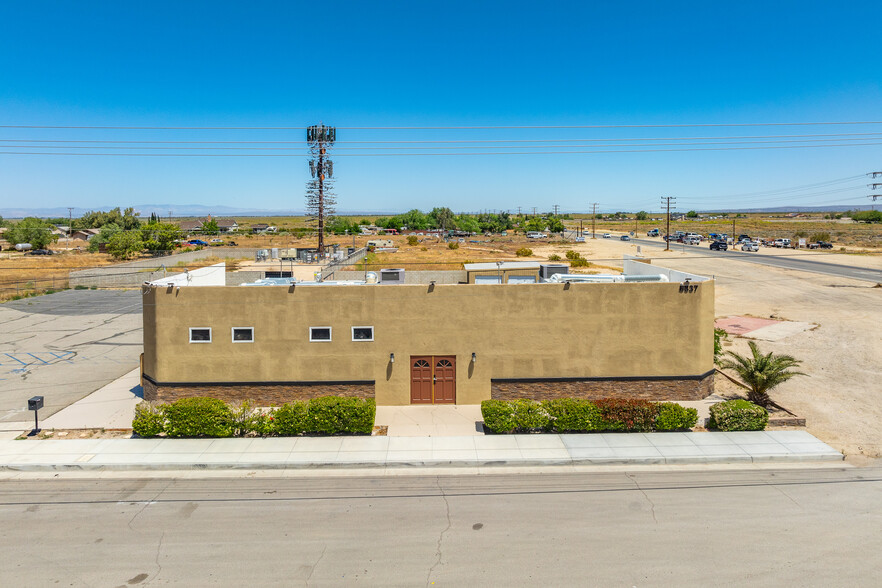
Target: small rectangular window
{"points": [[319, 333], [243, 334], [362, 333], [200, 335]]}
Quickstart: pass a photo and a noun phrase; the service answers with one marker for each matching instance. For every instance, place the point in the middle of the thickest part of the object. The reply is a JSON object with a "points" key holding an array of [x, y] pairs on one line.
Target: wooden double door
{"points": [[433, 379]]}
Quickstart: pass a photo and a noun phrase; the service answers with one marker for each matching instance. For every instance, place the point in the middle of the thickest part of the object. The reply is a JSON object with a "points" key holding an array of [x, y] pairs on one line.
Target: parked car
{"points": [[825, 245], [692, 240], [652, 233], [196, 242], [749, 246], [607, 236], [625, 238], [718, 246], [39, 252], [217, 240]]}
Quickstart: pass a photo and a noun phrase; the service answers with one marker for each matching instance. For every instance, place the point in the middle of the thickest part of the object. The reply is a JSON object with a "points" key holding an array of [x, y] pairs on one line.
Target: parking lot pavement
{"points": [[65, 346]]}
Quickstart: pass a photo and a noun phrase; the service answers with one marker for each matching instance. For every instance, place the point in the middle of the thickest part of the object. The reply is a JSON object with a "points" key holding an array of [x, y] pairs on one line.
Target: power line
{"points": [[440, 154], [460, 127], [447, 141], [536, 148]]}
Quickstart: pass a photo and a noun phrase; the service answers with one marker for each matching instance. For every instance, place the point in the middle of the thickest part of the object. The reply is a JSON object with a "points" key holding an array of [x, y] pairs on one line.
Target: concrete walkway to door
{"points": [[431, 420]]}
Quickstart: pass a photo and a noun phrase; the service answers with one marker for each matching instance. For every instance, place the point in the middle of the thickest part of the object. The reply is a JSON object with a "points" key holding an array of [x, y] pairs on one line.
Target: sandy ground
{"points": [[841, 396]]}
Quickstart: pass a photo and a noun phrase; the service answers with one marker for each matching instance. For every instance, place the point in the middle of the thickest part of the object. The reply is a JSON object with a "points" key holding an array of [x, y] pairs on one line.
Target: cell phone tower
{"points": [[320, 199]]}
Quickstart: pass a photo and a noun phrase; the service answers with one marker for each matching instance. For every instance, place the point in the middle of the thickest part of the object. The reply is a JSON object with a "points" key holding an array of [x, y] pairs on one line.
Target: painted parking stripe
{"points": [[16, 359], [38, 359]]}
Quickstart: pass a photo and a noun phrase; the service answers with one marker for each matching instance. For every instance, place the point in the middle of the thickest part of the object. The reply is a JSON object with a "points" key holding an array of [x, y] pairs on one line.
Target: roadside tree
{"points": [[125, 244], [31, 230], [159, 236]]}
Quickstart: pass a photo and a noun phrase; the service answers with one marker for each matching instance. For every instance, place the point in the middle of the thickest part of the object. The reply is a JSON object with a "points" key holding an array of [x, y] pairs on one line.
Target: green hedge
{"points": [[198, 417], [515, 416], [738, 415], [149, 420], [209, 417], [573, 415], [290, 419], [330, 415], [673, 417]]}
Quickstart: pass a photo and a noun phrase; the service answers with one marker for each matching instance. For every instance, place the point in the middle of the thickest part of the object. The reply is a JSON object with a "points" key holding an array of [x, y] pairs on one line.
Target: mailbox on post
{"points": [[35, 403]]}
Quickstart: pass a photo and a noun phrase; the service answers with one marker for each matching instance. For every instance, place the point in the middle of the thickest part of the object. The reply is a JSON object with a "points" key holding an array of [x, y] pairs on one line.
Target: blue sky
{"points": [[442, 64]]}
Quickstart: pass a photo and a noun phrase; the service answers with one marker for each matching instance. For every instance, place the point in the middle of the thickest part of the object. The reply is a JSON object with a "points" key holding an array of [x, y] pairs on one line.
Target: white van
{"points": [[535, 235]]}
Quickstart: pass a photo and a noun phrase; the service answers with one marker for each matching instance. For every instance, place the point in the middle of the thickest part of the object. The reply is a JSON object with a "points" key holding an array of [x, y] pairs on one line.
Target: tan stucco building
{"points": [[419, 343]]}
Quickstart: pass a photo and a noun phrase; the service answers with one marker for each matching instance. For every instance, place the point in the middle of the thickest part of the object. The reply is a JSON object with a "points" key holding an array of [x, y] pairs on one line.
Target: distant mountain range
{"points": [[163, 210], [198, 210]]}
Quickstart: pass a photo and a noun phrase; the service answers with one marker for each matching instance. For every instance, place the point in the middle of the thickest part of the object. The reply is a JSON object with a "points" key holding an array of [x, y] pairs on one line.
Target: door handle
{"points": [[434, 379]]}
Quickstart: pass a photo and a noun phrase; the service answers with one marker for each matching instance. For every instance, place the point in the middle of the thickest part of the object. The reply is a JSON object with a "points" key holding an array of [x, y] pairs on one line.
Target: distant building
{"points": [[227, 225], [259, 227]]}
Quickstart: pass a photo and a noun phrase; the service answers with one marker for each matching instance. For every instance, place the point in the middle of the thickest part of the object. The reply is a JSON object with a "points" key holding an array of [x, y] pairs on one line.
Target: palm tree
{"points": [[760, 373]]}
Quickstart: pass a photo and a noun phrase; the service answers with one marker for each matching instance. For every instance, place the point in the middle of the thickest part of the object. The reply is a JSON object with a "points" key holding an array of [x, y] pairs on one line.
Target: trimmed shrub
{"points": [[149, 420], [412, 240], [524, 252], [331, 415], [498, 416], [515, 416], [453, 245], [738, 415], [290, 419], [198, 417], [627, 415], [554, 257], [673, 417], [573, 415]]}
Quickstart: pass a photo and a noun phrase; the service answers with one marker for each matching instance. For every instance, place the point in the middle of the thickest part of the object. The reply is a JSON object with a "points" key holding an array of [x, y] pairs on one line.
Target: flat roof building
{"points": [[646, 334]]}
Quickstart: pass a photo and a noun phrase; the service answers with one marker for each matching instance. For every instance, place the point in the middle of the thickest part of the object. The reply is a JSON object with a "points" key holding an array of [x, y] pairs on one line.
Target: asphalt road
{"points": [[65, 346], [663, 528], [786, 262]]}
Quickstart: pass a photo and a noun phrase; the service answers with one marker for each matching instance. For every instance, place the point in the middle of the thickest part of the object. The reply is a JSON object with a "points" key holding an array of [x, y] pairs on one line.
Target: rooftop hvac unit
{"points": [[546, 270], [392, 276]]}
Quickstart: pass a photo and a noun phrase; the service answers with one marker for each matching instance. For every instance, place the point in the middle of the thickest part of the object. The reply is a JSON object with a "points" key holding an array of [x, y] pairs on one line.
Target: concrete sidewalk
{"points": [[392, 452]]}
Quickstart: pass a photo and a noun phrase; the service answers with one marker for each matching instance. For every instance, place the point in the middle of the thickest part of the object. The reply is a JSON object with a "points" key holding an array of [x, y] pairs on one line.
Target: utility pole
{"points": [[666, 201], [534, 211], [319, 198], [69, 222], [519, 211], [593, 219], [733, 228], [169, 216], [873, 186], [556, 209]]}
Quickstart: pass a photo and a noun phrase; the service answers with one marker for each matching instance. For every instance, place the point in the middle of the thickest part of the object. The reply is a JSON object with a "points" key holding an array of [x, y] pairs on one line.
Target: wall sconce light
{"points": [[474, 358], [391, 358]]}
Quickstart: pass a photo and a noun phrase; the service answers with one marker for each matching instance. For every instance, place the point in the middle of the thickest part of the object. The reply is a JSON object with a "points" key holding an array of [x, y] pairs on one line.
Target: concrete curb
{"points": [[401, 453]]}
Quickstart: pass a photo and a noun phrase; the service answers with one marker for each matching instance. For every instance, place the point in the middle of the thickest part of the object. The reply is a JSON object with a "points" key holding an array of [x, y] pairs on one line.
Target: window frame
{"points": [[371, 327], [328, 340], [233, 334], [210, 336]]}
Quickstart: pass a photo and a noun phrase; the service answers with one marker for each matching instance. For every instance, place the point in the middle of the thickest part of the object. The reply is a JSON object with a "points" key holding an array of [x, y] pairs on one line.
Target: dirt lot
{"points": [[841, 397]]}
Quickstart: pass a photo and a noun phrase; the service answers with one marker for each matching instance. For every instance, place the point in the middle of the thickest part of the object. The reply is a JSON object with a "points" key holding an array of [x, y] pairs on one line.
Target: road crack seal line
{"points": [[441, 536], [156, 559], [148, 503], [312, 570], [790, 498], [646, 496]]}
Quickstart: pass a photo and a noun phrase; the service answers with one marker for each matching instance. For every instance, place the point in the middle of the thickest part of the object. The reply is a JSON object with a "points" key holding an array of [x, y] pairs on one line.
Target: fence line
{"points": [[354, 257]]}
